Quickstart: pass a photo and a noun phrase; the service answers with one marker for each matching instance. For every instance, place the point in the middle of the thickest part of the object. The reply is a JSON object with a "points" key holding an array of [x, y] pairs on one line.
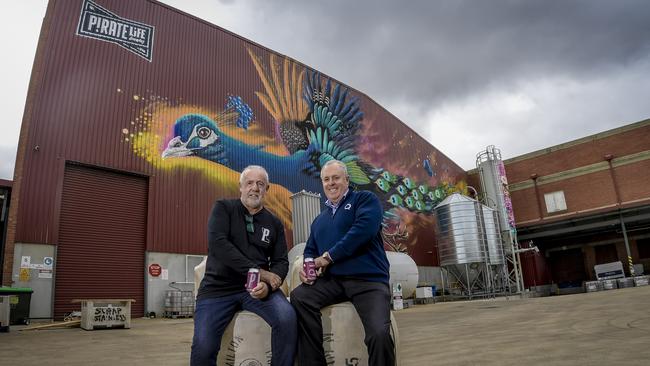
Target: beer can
{"points": [[253, 278], [309, 267]]}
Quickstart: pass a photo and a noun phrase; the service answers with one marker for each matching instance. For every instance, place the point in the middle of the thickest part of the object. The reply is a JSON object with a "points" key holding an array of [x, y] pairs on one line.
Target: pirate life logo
{"points": [[98, 23]]}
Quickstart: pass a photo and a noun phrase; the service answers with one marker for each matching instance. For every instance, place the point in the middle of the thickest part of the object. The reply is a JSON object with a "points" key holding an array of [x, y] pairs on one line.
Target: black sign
{"points": [[99, 23], [611, 273]]}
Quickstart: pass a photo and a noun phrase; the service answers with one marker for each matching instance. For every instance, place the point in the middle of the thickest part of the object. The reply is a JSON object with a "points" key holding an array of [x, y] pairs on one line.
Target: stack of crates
{"points": [[609, 284], [641, 280], [424, 295], [593, 286], [179, 304], [625, 282]]}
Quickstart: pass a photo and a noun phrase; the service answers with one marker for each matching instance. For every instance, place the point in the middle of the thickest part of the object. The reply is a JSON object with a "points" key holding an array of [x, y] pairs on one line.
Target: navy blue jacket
{"points": [[352, 236]]}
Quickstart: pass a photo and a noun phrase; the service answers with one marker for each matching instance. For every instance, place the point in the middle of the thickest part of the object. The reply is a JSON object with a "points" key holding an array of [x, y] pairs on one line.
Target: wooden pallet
{"points": [[178, 314], [425, 300]]}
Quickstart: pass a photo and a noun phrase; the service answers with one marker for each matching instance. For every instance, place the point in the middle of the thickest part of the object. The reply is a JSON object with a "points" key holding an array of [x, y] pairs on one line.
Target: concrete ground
{"points": [[602, 328]]}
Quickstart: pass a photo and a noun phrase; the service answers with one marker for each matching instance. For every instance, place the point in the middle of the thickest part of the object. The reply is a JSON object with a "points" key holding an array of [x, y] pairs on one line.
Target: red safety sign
{"points": [[155, 269]]}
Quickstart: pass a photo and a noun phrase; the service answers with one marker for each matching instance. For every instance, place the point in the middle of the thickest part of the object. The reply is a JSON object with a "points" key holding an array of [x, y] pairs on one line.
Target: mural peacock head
{"points": [[196, 135]]}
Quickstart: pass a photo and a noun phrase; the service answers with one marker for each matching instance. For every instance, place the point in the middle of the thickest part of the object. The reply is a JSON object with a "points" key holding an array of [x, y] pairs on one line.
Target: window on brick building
{"points": [[555, 201], [644, 248]]}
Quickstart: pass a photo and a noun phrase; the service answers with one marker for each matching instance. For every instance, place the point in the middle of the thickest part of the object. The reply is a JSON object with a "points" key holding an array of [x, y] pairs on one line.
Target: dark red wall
{"points": [[84, 92]]}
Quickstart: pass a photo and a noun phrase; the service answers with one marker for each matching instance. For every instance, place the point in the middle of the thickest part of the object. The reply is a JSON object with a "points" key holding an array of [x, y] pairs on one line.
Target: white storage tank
{"points": [[295, 264], [199, 272], [403, 270]]}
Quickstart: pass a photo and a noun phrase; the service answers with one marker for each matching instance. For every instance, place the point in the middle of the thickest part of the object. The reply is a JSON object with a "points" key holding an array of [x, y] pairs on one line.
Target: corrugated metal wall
{"points": [[89, 91], [102, 237]]}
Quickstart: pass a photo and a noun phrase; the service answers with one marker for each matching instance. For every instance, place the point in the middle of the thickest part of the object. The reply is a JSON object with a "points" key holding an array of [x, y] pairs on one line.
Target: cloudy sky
{"points": [[521, 75]]}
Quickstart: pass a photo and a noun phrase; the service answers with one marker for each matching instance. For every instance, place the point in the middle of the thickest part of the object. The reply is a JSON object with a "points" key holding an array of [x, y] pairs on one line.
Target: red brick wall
{"points": [[590, 152], [634, 180], [525, 206], [586, 192]]}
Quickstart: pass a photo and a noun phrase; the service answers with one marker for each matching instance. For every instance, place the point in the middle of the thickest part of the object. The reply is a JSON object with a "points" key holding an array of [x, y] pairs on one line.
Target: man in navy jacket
{"points": [[346, 243]]}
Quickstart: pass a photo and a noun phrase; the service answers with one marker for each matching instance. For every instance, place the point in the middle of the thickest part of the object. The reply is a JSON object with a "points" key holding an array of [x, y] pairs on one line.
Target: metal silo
{"points": [[497, 269], [460, 239], [462, 246], [492, 235], [305, 206], [494, 184], [495, 194]]}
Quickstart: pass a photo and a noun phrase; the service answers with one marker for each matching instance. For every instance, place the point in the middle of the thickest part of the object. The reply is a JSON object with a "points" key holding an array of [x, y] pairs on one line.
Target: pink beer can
{"points": [[253, 278], [309, 267]]}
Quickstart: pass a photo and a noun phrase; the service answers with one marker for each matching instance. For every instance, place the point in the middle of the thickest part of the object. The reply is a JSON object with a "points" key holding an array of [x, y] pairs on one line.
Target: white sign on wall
{"points": [[25, 261]]}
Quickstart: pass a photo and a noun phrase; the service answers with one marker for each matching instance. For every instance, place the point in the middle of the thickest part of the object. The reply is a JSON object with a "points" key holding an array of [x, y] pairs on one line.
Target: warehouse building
{"points": [[139, 117], [583, 203]]}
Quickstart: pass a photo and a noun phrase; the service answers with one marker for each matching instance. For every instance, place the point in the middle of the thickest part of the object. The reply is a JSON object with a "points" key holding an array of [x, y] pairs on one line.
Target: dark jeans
{"points": [[213, 315], [370, 299]]}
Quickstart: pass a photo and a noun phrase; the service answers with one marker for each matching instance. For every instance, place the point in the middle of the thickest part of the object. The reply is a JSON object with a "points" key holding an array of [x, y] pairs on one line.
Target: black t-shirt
{"points": [[232, 250]]}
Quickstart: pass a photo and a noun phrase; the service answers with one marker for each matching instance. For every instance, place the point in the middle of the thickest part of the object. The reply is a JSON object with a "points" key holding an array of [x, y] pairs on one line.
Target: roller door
{"points": [[102, 231]]}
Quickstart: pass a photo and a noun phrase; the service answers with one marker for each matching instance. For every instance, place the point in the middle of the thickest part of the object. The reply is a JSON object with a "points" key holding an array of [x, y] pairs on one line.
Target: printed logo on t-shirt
{"points": [[265, 235]]}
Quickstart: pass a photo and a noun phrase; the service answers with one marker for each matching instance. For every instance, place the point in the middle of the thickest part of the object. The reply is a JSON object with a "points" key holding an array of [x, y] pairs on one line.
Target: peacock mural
{"points": [[314, 120]]}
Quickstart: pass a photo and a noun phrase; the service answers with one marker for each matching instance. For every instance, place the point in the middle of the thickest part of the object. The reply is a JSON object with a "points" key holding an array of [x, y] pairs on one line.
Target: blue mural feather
{"points": [[427, 167]]}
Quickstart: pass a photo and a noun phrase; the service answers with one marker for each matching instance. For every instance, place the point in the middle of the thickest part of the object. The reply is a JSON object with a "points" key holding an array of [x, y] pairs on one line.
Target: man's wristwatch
{"points": [[326, 255]]}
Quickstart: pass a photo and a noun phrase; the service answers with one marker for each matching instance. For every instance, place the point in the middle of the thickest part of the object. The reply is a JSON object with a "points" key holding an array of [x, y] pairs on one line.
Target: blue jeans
{"points": [[213, 315]]}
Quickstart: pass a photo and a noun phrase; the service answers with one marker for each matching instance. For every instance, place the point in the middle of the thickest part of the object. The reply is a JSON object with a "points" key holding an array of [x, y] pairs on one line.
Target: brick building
{"points": [[583, 203]]}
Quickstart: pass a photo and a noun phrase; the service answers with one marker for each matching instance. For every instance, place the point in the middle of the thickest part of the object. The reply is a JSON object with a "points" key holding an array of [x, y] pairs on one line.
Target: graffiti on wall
{"points": [[313, 119]]}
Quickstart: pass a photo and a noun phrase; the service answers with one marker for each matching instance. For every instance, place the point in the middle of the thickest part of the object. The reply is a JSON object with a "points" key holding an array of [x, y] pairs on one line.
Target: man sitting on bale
{"points": [[346, 245], [243, 236]]}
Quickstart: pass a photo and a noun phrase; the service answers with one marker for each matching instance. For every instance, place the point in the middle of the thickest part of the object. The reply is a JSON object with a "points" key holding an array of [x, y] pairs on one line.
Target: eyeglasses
{"points": [[249, 224]]}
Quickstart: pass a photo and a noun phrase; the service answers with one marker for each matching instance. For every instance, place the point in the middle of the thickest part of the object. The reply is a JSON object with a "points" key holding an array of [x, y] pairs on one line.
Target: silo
{"points": [[460, 238], [494, 186], [305, 206], [492, 235], [498, 270], [462, 246]]}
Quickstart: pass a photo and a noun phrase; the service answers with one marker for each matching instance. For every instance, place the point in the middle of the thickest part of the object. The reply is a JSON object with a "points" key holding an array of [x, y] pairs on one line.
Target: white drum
{"points": [[404, 271], [199, 272], [295, 265]]}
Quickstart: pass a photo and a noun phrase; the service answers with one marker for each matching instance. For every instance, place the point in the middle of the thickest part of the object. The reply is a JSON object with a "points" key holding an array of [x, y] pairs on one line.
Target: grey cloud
{"points": [[428, 51], [7, 162], [415, 57], [418, 57]]}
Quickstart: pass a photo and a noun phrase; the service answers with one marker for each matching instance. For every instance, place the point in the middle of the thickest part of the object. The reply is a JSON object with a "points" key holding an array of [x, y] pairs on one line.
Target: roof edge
{"points": [[582, 140]]}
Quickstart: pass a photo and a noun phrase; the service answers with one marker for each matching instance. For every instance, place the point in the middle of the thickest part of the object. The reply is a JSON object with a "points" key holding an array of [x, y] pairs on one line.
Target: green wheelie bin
{"points": [[19, 301]]}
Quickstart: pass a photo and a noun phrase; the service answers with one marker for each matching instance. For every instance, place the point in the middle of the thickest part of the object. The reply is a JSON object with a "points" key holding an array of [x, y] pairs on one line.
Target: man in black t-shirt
{"points": [[242, 234]]}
